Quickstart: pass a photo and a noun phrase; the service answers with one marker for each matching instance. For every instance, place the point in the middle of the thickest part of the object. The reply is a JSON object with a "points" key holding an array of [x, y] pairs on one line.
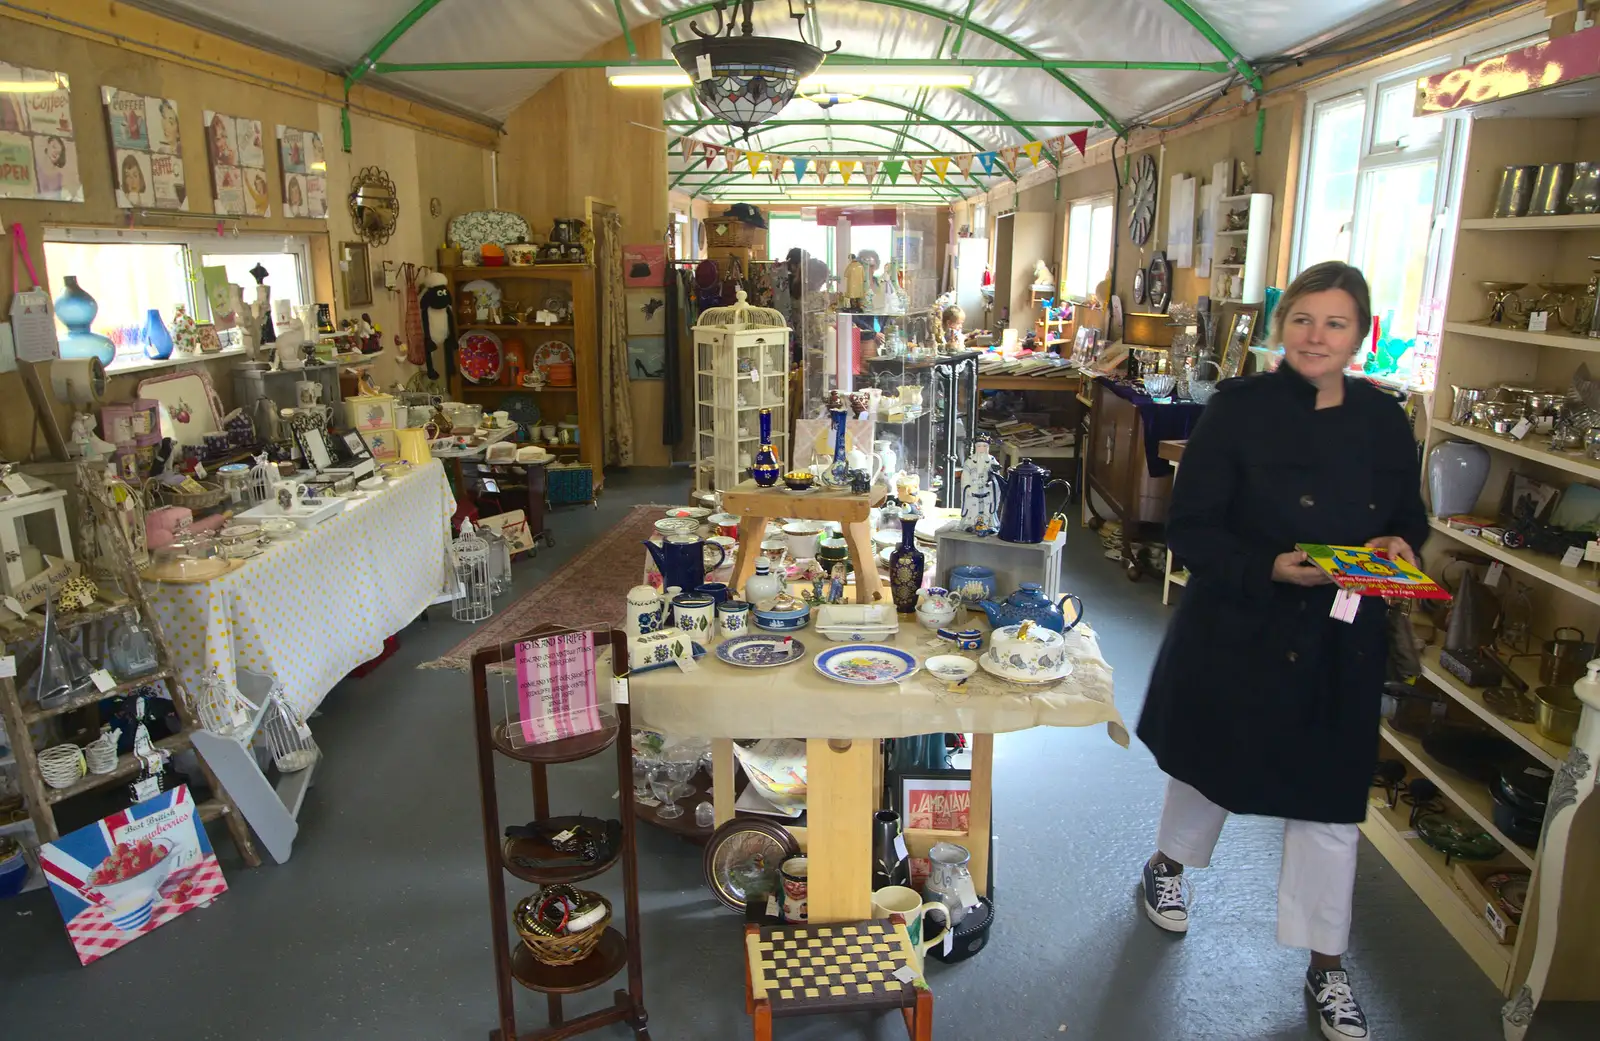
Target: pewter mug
{"points": [[1583, 196], [1516, 191], [1461, 407], [1550, 190]]}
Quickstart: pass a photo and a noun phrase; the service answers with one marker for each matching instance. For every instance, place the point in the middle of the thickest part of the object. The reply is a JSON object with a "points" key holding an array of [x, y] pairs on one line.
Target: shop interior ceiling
{"points": [[1203, 43]]}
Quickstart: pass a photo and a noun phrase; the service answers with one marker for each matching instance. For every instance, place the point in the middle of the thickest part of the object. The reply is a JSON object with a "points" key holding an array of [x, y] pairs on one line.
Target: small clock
{"points": [[1142, 199]]}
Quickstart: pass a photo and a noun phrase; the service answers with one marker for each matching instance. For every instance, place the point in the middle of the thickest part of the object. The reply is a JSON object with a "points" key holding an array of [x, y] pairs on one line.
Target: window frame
{"points": [[1094, 202]]}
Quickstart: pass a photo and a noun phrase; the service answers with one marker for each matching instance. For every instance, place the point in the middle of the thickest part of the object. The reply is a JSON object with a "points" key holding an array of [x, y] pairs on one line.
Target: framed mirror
{"points": [[1159, 283], [374, 205], [357, 271]]}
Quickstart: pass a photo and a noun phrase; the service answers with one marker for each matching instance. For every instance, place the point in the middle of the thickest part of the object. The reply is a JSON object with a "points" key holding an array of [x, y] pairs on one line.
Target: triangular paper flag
{"points": [[799, 162], [964, 164], [1033, 148], [753, 160], [730, 158], [712, 151], [689, 145], [821, 170], [774, 167], [846, 168], [917, 166], [869, 169], [891, 170], [1008, 155], [1080, 140], [941, 165], [987, 159], [1054, 147]]}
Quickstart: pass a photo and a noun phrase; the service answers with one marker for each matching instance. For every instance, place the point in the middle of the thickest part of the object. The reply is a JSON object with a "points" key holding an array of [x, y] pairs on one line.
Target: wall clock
{"points": [[1142, 199], [1160, 282]]}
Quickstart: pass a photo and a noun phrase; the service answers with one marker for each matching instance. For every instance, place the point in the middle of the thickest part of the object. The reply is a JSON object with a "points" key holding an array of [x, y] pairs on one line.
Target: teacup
{"points": [[832, 549], [802, 539], [725, 524], [773, 550]]}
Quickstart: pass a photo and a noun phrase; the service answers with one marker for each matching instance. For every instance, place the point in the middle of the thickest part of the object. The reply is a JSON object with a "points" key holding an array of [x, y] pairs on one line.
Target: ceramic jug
{"points": [[950, 880], [682, 560], [762, 587], [646, 610], [1023, 516], [1029, 604]]}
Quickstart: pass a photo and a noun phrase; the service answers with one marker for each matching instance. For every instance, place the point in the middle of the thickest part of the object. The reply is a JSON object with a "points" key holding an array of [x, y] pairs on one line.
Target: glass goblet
{"points": [[641, 778], [661, 781], [680, 770]]}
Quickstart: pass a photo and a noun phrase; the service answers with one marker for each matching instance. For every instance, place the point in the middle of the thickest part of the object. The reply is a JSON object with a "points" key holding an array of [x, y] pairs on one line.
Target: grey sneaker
{"points": [[1165, 898], [1342, 1018]]}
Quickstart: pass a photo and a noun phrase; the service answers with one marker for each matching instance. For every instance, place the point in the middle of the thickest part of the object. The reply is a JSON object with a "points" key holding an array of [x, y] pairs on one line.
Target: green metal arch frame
{"points": [[729, 175]]}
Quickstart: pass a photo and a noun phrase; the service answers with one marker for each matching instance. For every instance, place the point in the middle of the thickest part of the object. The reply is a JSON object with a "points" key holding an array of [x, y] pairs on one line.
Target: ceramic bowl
{"points": [[1026, 652], [952, 668], [799, 481], [782, 621]]}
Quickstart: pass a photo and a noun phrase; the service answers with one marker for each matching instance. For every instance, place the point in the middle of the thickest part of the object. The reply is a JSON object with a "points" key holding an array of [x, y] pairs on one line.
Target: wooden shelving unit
{"points": [[574, 282], [618, 949], [1475, 354]]}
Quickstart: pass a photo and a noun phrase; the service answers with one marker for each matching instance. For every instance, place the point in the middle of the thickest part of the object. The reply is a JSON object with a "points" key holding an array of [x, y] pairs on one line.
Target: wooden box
{"points": [[1012, 562], [1470, 880]]}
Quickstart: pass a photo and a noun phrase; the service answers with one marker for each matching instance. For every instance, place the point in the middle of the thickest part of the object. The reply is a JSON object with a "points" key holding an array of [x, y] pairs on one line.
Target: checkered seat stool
{"points": [[813, 970]]}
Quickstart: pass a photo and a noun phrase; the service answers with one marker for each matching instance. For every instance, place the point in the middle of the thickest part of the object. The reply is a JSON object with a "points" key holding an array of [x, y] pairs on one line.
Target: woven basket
{"points": [[157, 494], [62, 766], [567, 948]]}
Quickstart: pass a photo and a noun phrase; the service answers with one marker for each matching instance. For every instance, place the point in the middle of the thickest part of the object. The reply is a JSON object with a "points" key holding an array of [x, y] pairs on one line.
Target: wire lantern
{"points": [[474, 595], [263, 476], [287, 737], [499, 561], [222, 709]]}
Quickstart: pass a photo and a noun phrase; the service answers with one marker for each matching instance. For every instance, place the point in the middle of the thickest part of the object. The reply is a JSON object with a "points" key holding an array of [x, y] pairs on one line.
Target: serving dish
{"points": [[952, 668], [756, 651], [782, 620], [742, 859]]}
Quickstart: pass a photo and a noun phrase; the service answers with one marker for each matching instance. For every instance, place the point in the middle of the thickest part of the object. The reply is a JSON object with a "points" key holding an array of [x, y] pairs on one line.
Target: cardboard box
{"points": [[1472, 880], [367, 414]]}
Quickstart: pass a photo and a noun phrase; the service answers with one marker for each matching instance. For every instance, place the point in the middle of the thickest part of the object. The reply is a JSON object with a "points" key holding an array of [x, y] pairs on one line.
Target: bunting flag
{"points": [[689, 144], [964, 164], [941, 165], [799, 162], [869, 169], [1008, 155], [917, 166], [846, 168], [1056, 147], [730, 158], [712, 151], [821, 170], [753, 160], [891, 170], [987, 159], [1080, 140], [1033, 148], [774, 167]]}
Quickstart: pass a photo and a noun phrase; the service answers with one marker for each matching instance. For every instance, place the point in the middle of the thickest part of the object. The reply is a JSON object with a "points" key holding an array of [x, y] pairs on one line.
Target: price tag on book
{"points": [[1345, 605], [1491, 578], [1572, 557], [1522, 428], [1538, 321]]}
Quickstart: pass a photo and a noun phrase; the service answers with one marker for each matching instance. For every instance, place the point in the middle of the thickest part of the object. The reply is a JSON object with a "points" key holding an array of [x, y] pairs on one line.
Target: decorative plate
{"points": [[524, 411], [760, 652], [696, 513], [553, 353], [699, 652], [471, 230], [1011, 676], [742, 860], [480, 357], [677, 525], [865, 664]]}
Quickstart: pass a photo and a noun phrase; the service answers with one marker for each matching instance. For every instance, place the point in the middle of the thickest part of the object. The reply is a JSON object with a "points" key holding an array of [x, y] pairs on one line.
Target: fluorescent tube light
{"points": [[22, 86], [627, 76]]}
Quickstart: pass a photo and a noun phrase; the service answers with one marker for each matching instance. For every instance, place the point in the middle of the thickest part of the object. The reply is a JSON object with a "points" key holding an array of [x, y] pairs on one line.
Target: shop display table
{"points": [[755, 506], [842, 724], [310, 609]]}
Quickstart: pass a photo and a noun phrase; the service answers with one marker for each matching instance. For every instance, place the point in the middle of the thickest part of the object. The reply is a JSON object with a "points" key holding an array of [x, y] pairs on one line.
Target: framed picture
{"points": [[38, 148], [315, 448], [146, 150], [647, 357], [1529, 493], [644, 266], [305, 169], [937, 799], [647, 312], [1237, 329], [238, 165], [357, 271]]}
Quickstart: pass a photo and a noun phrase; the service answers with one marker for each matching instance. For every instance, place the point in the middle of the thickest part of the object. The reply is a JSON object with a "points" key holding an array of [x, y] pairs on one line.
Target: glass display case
{"points": [[875, 338]]}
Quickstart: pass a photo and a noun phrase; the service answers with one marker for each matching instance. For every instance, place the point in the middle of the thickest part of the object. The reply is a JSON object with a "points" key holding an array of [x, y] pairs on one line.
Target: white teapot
{"points": [[936, 608]]}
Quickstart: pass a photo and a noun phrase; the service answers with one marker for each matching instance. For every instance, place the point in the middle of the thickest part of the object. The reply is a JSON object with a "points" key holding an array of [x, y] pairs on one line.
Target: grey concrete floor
{"points": [[378, 927]]}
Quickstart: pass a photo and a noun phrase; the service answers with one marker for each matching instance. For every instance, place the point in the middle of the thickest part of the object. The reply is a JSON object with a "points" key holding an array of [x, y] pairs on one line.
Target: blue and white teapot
{"points": [[1029, 604]]}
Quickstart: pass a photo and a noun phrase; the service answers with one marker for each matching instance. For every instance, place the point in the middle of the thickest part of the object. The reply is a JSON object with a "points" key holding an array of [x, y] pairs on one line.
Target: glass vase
{"points": [[76, 309], [157, 341], [764, 467]]}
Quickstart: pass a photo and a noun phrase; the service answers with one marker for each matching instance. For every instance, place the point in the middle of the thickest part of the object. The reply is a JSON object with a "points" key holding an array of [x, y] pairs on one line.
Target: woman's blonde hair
{"points": [[1319, 278]]}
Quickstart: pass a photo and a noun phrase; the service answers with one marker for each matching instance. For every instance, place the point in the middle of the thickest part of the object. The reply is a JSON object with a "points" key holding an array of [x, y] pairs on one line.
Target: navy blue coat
{"points": [[1259, 699]]}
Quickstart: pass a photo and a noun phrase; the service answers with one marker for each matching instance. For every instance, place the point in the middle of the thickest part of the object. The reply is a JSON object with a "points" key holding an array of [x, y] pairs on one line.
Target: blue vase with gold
{"points": [[764, 467], [906, 566]]}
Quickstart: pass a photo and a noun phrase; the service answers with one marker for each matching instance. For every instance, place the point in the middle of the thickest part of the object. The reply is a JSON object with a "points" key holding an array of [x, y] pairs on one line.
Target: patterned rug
{"points": [[590, 588]]}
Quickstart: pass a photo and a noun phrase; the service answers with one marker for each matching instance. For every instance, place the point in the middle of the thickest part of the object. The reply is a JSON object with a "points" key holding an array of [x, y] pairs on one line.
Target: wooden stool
{"points": [[814, 970], [755, 506]]}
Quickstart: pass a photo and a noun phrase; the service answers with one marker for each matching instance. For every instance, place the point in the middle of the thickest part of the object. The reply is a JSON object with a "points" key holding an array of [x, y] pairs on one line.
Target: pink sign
{"points": [[556, 687]]}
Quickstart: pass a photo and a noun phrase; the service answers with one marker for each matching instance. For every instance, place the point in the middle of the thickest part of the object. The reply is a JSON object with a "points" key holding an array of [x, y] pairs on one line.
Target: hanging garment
{"points": [[616, 392], [411, 318]]}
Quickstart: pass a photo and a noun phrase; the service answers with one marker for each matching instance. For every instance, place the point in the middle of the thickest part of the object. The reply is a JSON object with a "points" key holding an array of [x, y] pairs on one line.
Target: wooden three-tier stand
{"points": [[615, 949]]}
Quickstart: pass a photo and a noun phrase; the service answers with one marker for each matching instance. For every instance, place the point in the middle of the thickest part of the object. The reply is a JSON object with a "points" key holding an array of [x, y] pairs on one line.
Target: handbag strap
{"points": [[19, 251]]}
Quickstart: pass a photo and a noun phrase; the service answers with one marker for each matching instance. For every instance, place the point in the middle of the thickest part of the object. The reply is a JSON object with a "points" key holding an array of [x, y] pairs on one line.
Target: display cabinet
{"points": [[739, 370]]}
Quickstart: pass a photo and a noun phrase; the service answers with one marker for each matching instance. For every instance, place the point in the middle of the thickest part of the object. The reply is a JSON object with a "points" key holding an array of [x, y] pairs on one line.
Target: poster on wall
{"points": [[644, 266], [305, 172], [647, 357], [647, 312], [131, 873], [146, 150], [238, 165], [38, 153]]}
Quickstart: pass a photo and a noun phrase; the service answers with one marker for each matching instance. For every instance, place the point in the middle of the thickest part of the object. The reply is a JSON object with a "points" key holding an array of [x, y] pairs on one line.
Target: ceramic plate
{"points": [[1011, 677], [760, 652], [742, 859], [479, 356], [865, 664], [677, 526], [479, 226], [553, 353], [690, 512]]}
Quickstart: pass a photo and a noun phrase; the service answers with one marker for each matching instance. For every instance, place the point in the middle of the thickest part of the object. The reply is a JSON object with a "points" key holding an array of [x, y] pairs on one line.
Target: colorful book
{"points": [[1368, 572]]}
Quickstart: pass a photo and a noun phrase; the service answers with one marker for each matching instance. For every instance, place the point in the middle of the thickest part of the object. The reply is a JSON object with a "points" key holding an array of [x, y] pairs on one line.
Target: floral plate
{"points": [[865, 664], [479, 356], [760, 652]]}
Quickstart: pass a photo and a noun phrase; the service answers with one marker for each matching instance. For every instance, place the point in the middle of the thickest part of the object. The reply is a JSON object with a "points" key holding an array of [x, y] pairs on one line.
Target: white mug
{"points": [[908, 904], [307, 393]]}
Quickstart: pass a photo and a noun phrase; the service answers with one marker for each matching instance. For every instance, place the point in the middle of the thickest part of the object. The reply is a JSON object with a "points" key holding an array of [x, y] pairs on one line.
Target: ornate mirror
{"points": [[374, 205]]}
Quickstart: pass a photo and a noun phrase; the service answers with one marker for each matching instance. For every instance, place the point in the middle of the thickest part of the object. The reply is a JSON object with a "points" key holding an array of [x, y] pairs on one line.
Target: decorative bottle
{"points": [[76, 309], [839, 472], [764, 468], [157, 341], [185, 334], [889, 866], [906, 566]]}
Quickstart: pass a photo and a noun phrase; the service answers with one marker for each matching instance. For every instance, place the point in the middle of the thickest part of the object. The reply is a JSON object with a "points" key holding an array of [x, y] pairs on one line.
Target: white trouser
{"points": [[1315, 885]]}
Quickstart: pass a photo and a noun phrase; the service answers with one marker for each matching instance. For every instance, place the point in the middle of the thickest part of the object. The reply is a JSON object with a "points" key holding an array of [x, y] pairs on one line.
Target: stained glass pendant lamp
{"points": [[745, 79]]}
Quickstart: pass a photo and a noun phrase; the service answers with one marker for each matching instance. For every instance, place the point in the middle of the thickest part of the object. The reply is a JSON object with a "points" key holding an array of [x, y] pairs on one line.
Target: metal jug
{"points": [[1022, 511]]}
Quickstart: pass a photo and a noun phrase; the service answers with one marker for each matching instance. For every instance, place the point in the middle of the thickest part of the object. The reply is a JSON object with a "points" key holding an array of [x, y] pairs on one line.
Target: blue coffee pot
{"points": [[1023, 516], [682, 560], [1029, 604]]}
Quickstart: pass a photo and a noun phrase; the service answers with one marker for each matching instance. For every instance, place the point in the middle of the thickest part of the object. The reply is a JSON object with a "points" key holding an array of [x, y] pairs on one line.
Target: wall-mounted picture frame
{"points": [[356, 266], [647, 312], [1237, 330], [146, 150], [937, 799]]}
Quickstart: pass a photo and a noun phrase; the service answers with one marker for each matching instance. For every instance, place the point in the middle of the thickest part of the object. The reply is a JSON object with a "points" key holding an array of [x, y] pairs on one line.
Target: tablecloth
{"points": [[721, 700], [1169, 421], [310, 609]]}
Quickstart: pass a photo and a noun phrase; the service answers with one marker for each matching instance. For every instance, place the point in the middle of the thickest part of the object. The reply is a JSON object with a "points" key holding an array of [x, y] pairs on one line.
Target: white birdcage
{"points": [[741, 364], [499, 561], [474, 600], [263, 476], [222, 710], [287, 737]]}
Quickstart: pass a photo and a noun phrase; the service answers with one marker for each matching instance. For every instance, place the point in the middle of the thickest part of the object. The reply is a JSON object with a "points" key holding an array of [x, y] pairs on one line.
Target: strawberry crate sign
{"points": [[132, 872]]}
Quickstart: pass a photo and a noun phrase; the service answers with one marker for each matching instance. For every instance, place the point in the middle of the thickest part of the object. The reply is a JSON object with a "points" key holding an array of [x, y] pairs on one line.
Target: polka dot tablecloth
{"points": [[311, 609]]}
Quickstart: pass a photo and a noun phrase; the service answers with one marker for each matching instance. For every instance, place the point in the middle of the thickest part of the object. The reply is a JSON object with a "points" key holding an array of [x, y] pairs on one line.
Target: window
{"points": [[1091, 226], [129, 272], [790, 231]]}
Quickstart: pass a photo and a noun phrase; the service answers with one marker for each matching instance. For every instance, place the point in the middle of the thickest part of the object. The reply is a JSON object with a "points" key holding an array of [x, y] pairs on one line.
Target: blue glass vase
{"points": [[76, 309], [157, 341], [764, 467]]}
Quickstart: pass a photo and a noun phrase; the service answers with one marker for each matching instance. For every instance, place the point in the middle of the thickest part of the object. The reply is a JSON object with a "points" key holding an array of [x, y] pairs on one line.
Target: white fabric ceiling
{"points": [[533, 30]]}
